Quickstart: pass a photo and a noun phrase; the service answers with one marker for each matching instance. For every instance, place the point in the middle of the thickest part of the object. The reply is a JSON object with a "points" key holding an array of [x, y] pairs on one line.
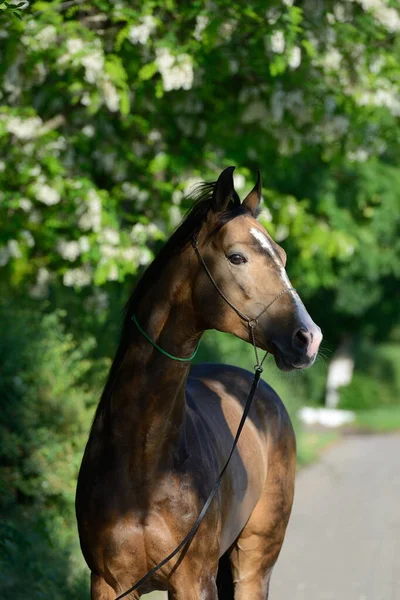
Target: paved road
{"points": [[343, 540]]}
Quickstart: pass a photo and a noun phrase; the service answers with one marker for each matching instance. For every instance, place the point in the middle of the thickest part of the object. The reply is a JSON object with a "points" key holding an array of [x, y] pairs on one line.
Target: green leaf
{"points": [[148, 71]]}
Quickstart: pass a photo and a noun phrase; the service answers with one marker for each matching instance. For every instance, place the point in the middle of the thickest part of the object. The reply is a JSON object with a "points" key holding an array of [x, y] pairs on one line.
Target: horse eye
{"points": [[237, 259]]}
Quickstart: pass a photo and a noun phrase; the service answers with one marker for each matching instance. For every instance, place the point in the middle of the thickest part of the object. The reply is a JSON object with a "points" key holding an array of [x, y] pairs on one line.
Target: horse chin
{"points": [[282, 362], [285, 364]]}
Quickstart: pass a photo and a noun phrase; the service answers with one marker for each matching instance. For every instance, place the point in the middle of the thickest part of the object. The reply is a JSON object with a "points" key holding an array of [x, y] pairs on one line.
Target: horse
{"points": [[163, 430]]}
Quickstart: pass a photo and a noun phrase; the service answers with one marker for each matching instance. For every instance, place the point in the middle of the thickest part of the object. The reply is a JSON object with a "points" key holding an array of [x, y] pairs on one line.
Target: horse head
{"points": [[240, 260]]}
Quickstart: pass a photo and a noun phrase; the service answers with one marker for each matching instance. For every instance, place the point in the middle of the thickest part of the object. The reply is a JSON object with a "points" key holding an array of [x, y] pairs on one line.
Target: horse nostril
{"points": [[302, 338]]}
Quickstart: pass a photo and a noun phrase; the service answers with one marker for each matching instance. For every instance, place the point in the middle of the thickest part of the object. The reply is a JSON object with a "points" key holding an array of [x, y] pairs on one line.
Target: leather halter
{"points": [[252, 322], [258, 369]]}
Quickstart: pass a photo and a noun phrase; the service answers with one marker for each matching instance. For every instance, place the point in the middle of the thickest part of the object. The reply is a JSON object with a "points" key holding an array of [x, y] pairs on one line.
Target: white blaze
{"points": [[265, 243]]}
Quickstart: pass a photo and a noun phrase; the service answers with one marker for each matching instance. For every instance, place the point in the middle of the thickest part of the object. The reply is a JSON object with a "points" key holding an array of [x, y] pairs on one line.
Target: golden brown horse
{"points": [[162, 431]]}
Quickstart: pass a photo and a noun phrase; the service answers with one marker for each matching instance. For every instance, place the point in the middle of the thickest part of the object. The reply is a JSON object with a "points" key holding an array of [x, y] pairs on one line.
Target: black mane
{"points": [[202, 198]]}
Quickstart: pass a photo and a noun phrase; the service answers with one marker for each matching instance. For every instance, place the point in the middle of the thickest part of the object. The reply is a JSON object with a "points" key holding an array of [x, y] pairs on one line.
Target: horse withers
{"points": [[163, 430]]}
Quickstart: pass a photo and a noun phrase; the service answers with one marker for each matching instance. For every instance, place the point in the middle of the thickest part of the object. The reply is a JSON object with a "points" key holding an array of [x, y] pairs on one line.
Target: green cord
{"points": [[157, 347]]}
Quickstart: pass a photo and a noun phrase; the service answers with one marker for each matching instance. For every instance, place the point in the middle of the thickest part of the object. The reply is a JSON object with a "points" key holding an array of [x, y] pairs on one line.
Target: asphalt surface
{"points": [[343, 539]]}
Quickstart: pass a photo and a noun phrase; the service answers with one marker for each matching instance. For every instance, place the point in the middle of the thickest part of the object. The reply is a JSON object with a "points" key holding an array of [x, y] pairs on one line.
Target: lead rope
{"points": [[258, 369], [188, 538]]}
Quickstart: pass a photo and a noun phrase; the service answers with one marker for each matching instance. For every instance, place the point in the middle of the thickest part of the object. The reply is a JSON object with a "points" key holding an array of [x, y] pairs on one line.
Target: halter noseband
{"points": [[252, 322]]}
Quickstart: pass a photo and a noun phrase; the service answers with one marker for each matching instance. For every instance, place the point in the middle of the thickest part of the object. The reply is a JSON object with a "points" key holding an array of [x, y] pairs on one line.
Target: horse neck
{"points": [[147, 403]]}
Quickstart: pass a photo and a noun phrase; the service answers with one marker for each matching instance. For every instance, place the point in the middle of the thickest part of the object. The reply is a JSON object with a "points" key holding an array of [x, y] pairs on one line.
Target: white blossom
{"points": [[281, 233], [94, 65], [23, 129], [2, 166], [295, 57], [91, 217], [13, 81], [138, 233], [359, 155], [332, 60], [388, 17], [387, 96], [191, 184], [154, 136], [111, 96], [153, 230], [176, 71], [339, 12], [239, 181], [98, 301], [35, 171], [174, 215], [84, 244], [40, 73], [130, 254], [108, 251], [28, 238], [110, 236], [79, 277], [41, 287], [335, 127], [4, 256], [35, 217], [130, 190], [75, 45], [68, 250], [145, 256], [226, 29], [278, 42], [266, 215], [14, 249], [88, 130], [47, 194], [273, 15], [139, 149], [376, 65], [113, 273], [277, 105], [201, 23], [86, 99], [255, 112], [233, 66], [177, 196], [139, 34], [25, 204], [46, 37]]}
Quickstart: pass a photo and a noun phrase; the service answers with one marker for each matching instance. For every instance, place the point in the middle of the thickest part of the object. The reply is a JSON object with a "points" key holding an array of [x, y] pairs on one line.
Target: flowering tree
{"points": [[112, 110]]}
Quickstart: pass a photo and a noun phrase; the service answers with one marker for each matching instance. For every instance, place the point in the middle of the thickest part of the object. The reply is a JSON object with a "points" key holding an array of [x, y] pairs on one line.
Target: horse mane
{"points": [[201, 198]]}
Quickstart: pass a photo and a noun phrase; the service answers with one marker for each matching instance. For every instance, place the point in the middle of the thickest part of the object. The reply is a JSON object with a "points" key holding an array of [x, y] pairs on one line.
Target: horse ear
{"points": [[224, 192], [253, 198]]}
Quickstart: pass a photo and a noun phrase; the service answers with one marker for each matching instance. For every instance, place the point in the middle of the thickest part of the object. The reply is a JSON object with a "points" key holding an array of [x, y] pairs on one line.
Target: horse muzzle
{"points": [[302, 350]]}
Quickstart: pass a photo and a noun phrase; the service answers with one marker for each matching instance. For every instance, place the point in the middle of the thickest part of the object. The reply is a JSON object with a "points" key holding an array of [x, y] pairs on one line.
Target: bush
{"points": [[46, 407], [376, 381], [365, 392]]}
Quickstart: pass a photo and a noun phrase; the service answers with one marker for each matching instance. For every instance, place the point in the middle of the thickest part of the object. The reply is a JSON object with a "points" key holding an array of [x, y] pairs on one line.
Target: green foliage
{"points": [[310, 445], [381, 419], [365, 392], [376, 382], [110, 111], [39, 555], [46, 406]]}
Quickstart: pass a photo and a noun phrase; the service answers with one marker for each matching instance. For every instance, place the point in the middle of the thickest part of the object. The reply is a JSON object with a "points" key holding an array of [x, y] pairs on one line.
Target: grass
{"points": [[379, 420], [310, 445]]}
